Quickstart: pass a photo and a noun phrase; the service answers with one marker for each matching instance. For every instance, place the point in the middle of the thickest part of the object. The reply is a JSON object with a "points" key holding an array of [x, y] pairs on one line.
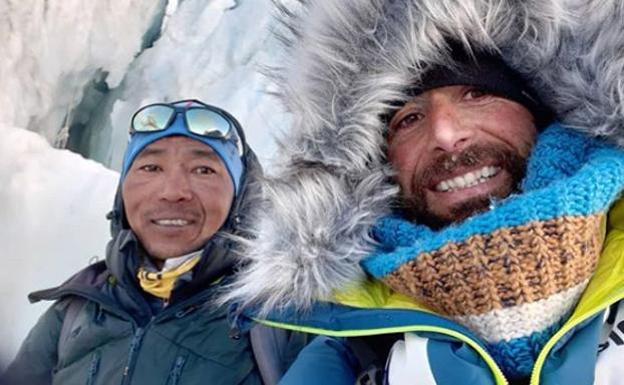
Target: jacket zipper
{"points": [[174, 375], [541, 358], [93, 368], [134, 348], [139, 333]]}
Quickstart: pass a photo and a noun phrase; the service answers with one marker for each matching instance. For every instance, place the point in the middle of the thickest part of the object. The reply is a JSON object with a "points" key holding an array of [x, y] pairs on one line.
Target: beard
{"points": [[416, 208]]}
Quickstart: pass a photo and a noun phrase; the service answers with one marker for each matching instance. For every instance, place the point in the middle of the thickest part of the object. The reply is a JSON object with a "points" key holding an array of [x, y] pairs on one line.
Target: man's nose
{"points": [[449, 131], [176, 186]]}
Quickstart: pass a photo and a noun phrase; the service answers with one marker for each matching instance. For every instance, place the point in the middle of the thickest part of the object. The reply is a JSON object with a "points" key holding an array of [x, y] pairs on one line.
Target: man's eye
{"points": [[204, 170], [407, 121], [149, 168], [476, 93]]}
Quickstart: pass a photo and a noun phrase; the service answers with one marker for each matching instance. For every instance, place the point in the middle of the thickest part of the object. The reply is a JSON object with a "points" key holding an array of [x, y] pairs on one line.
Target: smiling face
{"points": [[456, 148], [177, 194]]}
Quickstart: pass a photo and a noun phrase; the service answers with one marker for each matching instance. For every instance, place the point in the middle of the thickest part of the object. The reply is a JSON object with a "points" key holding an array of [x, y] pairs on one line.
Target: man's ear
{"points": [[117, 215]]}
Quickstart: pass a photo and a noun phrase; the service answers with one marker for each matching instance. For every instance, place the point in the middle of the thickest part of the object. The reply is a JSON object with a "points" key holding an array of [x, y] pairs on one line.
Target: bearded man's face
{"points": [[455, 149]]}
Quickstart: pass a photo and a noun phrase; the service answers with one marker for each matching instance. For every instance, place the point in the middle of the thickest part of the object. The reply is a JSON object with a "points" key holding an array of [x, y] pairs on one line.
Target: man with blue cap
{"points": [[145, 315]]}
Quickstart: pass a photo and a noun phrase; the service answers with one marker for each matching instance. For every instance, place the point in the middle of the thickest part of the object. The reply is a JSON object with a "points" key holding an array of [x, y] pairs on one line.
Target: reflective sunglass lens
{"points": [[207, 123], [152, 118]]}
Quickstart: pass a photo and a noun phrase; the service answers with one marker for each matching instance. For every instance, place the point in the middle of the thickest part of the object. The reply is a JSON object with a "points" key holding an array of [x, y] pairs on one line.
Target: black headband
{"points": [[489, 72]]}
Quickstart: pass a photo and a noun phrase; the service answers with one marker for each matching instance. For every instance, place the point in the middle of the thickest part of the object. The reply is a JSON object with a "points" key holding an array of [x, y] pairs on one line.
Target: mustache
{"points": [[443, 165], [169, 210]]}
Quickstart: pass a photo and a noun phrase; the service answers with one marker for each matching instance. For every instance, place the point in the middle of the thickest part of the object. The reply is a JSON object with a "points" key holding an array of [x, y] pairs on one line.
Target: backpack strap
{"points": [[274, 350], [71, 314], [266, 344], [371, 354]]}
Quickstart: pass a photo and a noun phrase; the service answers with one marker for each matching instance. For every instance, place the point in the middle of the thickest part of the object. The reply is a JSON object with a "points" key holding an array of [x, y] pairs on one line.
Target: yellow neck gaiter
{"points": [[160, 284]]}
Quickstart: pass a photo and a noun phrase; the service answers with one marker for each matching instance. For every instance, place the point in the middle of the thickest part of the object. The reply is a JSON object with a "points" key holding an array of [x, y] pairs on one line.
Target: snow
{"points": [[73, 72], [53, 222]]}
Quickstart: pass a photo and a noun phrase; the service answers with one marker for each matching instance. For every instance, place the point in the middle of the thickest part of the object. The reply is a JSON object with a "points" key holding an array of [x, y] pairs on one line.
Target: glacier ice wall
{"points": [[52, 50], [209, 51]]}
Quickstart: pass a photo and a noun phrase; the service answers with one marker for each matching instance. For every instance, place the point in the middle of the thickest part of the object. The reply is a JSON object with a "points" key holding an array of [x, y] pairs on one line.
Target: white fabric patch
{"points": [[610, 364], [408, 360], [174, 263], [524, 320]]}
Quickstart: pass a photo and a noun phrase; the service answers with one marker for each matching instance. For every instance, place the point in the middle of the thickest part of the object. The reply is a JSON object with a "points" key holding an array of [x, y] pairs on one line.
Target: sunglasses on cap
{"points": [[200, 119]]}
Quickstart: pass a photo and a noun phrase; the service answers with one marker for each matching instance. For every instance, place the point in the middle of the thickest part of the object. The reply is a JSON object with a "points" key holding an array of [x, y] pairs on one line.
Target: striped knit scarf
{"points": [[513, 274]]}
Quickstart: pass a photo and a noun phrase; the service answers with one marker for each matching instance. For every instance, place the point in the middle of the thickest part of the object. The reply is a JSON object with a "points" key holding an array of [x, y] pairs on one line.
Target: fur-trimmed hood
{"points": [[345, 62]]}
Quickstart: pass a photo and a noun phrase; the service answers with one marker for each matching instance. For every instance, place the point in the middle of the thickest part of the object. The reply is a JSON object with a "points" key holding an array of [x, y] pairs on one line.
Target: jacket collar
{"points": [[123, 260]]}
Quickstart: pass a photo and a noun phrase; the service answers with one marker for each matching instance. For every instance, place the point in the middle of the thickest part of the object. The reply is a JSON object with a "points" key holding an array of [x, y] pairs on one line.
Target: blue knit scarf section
{"points": [[568, 174]]}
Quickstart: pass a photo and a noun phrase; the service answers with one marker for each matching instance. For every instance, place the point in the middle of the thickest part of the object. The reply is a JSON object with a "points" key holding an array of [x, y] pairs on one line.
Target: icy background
{"points": [[71, 74]]}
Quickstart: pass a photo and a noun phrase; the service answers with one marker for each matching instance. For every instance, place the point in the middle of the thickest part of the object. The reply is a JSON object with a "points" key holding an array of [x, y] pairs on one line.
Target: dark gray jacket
{"points": [[115, 338]]}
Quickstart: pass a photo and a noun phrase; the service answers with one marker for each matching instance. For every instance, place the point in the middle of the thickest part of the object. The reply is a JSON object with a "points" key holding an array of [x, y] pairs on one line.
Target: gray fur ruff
{"points": [[344, 61]]}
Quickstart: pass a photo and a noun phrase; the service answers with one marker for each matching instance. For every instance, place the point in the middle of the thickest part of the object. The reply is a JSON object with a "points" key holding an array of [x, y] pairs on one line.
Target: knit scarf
{"points": [[513, 274]]}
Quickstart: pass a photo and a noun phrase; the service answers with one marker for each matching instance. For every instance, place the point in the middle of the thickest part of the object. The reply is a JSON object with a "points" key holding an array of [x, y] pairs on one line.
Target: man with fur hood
{"points": [[146, 315], [446, 207]]}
